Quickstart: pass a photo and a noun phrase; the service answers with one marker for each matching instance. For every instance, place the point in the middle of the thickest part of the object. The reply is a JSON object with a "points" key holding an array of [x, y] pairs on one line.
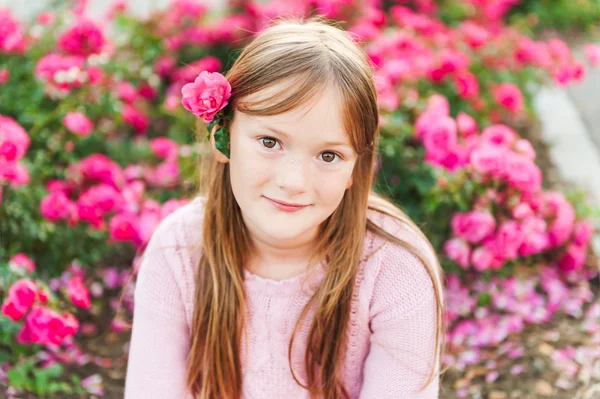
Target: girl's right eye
{"points": [[268, 142]]}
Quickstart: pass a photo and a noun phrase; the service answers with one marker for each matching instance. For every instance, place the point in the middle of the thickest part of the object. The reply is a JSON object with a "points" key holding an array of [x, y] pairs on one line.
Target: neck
{"points": [[279, 260]]}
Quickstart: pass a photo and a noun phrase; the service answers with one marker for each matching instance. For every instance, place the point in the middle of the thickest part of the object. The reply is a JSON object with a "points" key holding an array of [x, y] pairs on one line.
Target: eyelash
{"points": [[277, 141]]}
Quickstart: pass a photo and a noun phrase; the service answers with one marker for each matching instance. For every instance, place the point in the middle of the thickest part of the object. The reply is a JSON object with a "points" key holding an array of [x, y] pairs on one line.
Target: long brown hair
{"points": [[311, 53]]}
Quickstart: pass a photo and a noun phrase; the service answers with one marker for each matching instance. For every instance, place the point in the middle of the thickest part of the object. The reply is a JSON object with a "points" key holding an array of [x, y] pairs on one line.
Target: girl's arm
{"points": [[403, 325], [160, 335]]}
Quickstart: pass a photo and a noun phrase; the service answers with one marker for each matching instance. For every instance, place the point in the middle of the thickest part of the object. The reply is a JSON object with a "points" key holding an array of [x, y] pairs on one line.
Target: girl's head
{"points": [[304, 131], [305, 120]]}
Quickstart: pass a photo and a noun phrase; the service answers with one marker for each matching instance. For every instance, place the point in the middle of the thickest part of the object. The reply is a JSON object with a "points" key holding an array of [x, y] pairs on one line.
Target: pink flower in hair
{"points": [[207, 95]]}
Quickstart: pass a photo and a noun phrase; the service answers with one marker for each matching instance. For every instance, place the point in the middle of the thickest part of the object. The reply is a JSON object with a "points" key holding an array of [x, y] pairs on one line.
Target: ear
{"points": [[349, 183], [218, 155]]}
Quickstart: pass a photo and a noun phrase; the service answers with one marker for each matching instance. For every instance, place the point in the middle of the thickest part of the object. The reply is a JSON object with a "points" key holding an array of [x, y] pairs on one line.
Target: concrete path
{"points": [[571, 126]]}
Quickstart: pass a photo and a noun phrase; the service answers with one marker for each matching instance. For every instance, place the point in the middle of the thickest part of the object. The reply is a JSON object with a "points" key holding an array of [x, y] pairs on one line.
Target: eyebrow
{"points": [[327, 143]]}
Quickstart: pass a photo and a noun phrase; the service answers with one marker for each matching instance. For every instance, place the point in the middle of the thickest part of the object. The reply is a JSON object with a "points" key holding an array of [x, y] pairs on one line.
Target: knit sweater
{"points": [[391, 334]]}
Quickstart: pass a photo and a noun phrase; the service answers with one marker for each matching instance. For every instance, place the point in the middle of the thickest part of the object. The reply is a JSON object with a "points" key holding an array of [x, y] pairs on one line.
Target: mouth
{"points": [[286, 206]]}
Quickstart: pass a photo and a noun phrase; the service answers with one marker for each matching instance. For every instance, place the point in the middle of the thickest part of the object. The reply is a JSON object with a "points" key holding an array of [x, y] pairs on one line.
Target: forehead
{"points": [[322, 114]]}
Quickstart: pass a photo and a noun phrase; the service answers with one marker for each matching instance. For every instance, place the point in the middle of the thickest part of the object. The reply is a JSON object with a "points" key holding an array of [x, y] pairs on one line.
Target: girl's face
{"points": [[300, 157]]}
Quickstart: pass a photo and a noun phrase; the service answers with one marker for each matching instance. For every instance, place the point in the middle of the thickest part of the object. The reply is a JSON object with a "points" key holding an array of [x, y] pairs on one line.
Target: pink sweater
{"points": [[392, 327]]}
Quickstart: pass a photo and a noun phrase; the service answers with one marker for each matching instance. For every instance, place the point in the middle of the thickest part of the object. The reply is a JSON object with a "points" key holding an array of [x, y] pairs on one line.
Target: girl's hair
{"points": [[310, 54]]}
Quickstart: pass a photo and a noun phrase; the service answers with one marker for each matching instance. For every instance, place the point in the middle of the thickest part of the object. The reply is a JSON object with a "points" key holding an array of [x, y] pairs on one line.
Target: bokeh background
{"points": [[490, 141]]}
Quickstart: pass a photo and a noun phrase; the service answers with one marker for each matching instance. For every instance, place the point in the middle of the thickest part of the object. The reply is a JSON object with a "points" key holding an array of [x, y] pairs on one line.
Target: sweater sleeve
{"points": [[160, 335], [403, 328]]}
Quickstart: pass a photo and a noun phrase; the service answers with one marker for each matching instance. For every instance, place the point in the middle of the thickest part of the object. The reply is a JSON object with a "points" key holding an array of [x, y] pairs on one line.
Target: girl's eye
{"points": [[268, 142], [329, 157]]}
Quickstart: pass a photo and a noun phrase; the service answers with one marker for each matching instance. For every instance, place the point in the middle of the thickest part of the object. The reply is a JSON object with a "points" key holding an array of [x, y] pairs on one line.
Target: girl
{"points": [[288, 277]]}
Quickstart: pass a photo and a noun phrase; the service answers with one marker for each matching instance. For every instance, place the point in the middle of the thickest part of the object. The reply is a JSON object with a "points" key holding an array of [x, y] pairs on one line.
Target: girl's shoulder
{"points": [[395, 272]]}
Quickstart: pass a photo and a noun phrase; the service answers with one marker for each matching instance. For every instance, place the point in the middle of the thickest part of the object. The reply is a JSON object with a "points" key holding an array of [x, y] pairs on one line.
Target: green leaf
{"points": [[222, 141]]}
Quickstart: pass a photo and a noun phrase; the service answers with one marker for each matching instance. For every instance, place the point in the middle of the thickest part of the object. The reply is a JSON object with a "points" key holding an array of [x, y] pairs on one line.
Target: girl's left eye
{"points": [[268, 142], [329, 157]]}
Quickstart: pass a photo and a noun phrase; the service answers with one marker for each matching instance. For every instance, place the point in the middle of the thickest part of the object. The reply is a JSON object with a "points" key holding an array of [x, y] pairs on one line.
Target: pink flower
{"points": [[440, 137], [582, 233], [524, 147], [11, 37], [136, 118], [100, 168], [475, 35], [127, 92], [207, 95], [4, 75], [164, 147], [509, 96], [52, 66], [522, 173], [83, 38], [500, 135], [11, 133], [509, 238], [592, 52], [78, 123], [490, 159], [78, 293], [124, 227], [22, 261], [458, 250], [573, 259], [45, 326], [482, 259], [97, 201], [56, 206], [439, 105], [473, 226], [386, 96], [467, 126], [467, 84], [21, 296]]}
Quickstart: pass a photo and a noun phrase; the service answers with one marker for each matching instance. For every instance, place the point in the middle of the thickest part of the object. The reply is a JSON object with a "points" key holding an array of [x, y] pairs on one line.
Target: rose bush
{"points": [[96, 149]]}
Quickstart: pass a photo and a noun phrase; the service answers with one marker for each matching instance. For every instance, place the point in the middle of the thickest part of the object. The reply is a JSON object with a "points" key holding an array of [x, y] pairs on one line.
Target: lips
{"points": [[286, 206]]}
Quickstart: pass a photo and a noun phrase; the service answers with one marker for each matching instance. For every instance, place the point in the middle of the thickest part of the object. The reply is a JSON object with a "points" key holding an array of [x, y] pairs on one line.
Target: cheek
{"points": [[250, 169], [331, 186]]}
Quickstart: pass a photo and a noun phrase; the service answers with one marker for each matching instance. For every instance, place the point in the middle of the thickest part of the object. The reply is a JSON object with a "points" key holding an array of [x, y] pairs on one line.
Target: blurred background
{"points": [[490, 140]]}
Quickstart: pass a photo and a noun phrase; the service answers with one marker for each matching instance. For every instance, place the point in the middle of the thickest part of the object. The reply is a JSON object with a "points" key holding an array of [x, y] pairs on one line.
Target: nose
{"points": [[292, 175]]}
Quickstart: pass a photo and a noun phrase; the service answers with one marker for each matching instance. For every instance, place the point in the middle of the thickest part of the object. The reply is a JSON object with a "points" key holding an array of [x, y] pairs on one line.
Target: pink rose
{"points": [[475, 35], [78, 123], [100, 168], [83, 38], [490, 159], [4, 75], [56, 206], [11, 36], [164, 147], [438, 105], [467, 84], [440, 137], [207, 95], [21, 296], [97, 201], [22, 261], [467, 126], [573, 259], [509, 96], [500, 135], [509, 238], [524, 147], [482, 259], [592, 52], [522, 173], [458, 250], [473, 226], [11, 133], [127, 92], [582, 233], [135, 118], [78, 293], [124, 227]]}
